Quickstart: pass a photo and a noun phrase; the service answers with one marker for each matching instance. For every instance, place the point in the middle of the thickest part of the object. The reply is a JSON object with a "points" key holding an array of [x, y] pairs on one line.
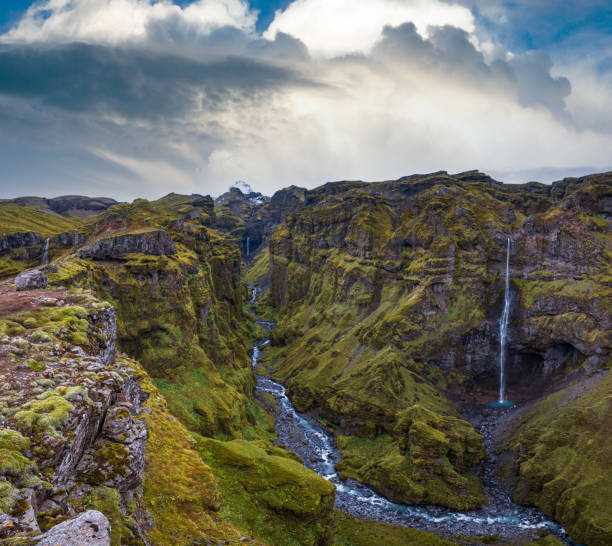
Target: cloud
{"points": [[190, 99], [337, 27], [133, 83], [449, 50], [117, 21]]}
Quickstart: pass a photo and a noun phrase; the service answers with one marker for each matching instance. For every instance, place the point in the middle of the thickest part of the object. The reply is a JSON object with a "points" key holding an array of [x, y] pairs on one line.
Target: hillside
{"points": [[386, 298]]}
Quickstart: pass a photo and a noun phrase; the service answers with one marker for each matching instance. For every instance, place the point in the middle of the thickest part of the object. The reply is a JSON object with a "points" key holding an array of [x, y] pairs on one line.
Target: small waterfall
{"points": [[503, 330], [248, 246], [45, 256], [315, 445]]}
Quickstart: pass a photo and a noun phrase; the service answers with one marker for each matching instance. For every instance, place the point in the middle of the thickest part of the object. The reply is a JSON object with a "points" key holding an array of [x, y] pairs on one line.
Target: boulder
{"points": [[90, 528], [31, 280]]}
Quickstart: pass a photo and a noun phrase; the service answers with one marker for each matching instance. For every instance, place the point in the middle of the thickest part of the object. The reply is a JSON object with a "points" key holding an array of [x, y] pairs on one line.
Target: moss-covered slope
{"points": [[562, 461], [175, 283], [389, 295], [23, 234]]}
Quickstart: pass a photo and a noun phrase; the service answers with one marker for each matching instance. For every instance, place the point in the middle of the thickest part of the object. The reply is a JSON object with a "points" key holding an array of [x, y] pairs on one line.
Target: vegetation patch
{"points": [[268, 492]]}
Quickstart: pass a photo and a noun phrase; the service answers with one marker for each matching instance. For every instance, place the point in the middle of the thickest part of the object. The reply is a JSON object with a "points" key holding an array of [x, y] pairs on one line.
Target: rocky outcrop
{"points": [[69, 239], [31, 280], [152, 243], [90, 528], [71, 420], [20, 240]]}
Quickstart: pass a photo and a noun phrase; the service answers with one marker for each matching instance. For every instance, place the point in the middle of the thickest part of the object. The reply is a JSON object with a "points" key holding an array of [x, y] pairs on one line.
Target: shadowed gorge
{"points": [[382, 304]]}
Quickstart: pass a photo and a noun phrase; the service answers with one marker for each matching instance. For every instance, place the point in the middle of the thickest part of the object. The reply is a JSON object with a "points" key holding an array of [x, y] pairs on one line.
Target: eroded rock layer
{"points": [[388, 296]]}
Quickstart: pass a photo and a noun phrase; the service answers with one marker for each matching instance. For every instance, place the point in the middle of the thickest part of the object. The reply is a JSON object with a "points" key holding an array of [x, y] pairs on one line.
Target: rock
{"points": [[69, 239], [509, 216], [155, 243], [31, 280], [90, 528], [460, 212]]}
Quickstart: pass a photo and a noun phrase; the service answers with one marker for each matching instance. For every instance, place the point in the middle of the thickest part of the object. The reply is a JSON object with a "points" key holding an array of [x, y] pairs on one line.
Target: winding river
{"points": [[315, 445]]}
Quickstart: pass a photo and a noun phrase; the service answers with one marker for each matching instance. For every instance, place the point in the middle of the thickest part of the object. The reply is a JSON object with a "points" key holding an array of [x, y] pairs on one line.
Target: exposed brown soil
{"points": [[13, 302]]}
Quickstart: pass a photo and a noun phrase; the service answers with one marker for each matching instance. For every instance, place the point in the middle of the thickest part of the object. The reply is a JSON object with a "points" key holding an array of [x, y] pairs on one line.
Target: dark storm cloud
{"points": [[132, 82]]}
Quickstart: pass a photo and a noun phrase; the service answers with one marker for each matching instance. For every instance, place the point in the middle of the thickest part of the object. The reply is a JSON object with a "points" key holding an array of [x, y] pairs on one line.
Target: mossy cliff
{"points": [[72, 431], [24, 231], [175, 284], [389, 296], [82, 428]]}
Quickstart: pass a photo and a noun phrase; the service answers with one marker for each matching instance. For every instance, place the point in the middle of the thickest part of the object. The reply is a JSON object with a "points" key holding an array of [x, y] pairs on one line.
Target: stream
{"points": [[315, 445]]}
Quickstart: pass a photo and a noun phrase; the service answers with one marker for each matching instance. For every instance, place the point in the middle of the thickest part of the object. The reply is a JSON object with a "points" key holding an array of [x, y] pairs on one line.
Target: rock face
{"points": [[31, 280], [72, 421], [19, 240], [389, 295], [90, 528], [153, 243]]}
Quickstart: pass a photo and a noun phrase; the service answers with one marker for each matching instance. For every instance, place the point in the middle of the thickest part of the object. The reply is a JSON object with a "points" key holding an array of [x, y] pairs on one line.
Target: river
{"points": [[315, 445]]}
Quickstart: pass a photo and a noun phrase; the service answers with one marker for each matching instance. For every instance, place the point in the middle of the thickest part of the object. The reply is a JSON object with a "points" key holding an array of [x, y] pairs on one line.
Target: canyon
{"points": [[186, 357]]}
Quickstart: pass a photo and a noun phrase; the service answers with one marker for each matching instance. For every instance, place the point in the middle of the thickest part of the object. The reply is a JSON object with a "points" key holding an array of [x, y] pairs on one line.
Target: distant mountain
{"points": [[66, 205]]}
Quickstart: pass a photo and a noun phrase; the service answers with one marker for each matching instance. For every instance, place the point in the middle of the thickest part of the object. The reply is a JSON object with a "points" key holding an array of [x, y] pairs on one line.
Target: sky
{"points": [[138, 98]]}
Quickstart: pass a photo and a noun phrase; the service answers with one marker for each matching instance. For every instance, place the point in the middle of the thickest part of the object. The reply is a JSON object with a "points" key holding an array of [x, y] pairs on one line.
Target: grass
{"points": [[20, 219]]}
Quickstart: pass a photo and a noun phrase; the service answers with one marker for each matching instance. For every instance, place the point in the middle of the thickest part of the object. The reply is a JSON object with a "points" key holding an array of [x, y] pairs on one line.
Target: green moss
{"points": [[79, 338], [12, 439], [563, 460], [8, 497], [362, 532], [269, 493], [546, 541], [259, 268], [48, 412], [35, 365], [426, 461], [21, 219], [107, 501]]}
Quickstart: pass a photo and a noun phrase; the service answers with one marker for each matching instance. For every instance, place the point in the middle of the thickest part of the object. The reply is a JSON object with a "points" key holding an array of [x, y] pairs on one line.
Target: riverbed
{"points": [[315, 445]]}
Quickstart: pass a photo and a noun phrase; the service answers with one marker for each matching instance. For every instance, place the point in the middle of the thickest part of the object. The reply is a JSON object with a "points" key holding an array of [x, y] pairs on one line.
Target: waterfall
{"points": [[248, 246], [503, 329], [45, 256]]}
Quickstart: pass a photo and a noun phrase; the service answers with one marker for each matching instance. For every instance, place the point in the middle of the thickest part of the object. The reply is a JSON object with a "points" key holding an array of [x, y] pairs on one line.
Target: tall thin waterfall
{"points": [[248, 246], [45, 256], [503, 329]]}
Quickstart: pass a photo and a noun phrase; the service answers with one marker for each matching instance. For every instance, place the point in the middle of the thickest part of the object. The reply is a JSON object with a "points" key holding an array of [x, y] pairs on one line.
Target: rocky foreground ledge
{"points": [[72, 431]]}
